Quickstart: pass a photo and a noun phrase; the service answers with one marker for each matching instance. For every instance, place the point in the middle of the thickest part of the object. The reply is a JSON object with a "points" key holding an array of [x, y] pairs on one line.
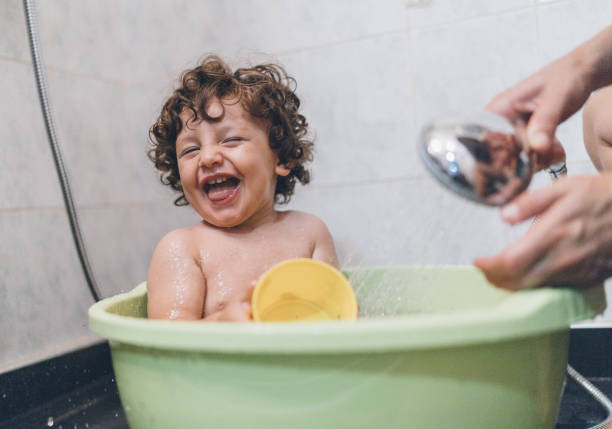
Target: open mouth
{"points": [[221, 189]]}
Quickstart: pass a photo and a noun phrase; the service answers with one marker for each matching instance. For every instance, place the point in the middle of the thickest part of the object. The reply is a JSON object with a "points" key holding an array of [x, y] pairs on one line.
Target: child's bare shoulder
{"points": [[296, 216], [305, 221], [179, 241]]}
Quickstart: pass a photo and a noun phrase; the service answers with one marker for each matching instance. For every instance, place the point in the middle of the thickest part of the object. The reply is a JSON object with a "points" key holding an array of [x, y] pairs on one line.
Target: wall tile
{"points": [[463, 66], [164, 38], [91, 127], [46, 296], [28, 173], [439, 12], [358, 99], [581, 19], [14, 40], [121, 240], [143, 104], [571, 137], [287, 26], [579, 168], [82, 36], [249, 27], [405, 222]]}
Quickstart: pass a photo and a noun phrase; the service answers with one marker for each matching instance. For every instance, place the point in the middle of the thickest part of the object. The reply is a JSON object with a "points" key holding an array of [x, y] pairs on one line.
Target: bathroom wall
{"points": [[369, 73]]}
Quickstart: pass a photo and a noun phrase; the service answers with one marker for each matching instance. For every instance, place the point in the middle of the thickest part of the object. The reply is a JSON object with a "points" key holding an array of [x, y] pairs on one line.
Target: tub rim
{"points": [[522, 314]]}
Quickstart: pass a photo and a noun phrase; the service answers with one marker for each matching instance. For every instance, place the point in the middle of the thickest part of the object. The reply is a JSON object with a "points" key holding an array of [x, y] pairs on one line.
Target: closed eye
{"points": [[188, 150], [232, 140]]}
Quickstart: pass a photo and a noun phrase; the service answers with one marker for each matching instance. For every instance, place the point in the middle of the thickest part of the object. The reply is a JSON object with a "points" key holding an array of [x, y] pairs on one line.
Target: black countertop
{"points": [[78, 390]]}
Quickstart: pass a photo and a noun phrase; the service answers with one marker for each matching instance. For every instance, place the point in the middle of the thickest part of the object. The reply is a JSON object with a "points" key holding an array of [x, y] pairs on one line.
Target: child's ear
{"points": [[282, 169]]}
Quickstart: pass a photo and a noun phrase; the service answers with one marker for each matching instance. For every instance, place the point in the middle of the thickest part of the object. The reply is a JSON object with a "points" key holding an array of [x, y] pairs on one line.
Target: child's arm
{"points": [[176, 286], [597, 128], [324, 249]]}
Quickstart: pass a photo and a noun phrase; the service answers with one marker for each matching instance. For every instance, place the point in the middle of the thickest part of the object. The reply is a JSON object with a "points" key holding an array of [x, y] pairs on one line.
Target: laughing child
{"points": [[232, 144]]}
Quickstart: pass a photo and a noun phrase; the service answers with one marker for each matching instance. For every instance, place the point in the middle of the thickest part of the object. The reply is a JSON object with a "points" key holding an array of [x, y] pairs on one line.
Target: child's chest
{"points": [[232, 267]]}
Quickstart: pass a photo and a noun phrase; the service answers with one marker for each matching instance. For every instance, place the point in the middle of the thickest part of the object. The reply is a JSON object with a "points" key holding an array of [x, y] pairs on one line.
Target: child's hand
{"points": [[236, 311]]}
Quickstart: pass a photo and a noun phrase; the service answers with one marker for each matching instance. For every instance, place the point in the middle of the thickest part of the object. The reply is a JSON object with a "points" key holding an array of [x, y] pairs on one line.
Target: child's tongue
{"points": [[221, 191]]}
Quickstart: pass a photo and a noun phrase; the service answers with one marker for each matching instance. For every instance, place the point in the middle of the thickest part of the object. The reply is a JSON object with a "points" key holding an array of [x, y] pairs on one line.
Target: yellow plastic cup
{"points": [[303, 290]]}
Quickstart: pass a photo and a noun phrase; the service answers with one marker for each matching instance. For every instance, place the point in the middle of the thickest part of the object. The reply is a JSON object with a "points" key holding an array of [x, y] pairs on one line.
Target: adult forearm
{"points": [[597, 54]]}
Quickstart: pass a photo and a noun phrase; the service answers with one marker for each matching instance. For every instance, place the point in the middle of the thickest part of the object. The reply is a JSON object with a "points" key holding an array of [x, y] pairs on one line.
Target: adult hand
{"points": [[557, 91], [571, 242]]}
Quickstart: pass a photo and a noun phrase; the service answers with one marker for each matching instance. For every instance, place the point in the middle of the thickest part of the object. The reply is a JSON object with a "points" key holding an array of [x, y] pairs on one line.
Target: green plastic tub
{"points": [[456, 353]]}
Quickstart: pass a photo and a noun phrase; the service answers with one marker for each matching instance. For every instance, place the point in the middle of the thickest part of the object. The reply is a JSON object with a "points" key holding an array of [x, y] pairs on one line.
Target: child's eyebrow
{"points": [[224, 129], [183, 136], [221, 129]]}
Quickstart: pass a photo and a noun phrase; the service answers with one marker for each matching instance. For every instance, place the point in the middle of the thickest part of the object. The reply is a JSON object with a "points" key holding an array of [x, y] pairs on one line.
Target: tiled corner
{"points": [[28, 173], [358, 100], [14, 41], [82, 37], [47, 300]]}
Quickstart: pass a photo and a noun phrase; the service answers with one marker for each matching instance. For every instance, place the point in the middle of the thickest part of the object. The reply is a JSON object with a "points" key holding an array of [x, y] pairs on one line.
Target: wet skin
{"points": [[228, 172]]}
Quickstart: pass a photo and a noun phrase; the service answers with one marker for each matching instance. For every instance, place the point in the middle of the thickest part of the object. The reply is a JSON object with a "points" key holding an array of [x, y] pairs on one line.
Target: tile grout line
{"points": [[341, 42], [85, 207], [443, 24]]}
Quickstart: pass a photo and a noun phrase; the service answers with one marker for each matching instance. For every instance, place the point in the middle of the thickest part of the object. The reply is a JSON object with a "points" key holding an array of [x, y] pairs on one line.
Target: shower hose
{"points": [[41, 84]]}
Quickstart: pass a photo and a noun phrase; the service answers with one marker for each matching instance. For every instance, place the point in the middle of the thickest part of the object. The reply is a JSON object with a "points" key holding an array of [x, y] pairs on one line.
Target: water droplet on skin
{"points": [[50, 422]]}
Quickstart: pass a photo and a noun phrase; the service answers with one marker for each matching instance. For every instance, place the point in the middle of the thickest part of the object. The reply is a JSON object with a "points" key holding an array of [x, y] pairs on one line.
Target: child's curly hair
{"points": [[265, 91]]}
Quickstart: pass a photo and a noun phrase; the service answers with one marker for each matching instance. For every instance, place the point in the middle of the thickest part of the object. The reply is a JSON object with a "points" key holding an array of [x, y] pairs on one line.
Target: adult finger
{"points": [[523, 263], [555, 155], [514, 102], [502, 105], [544, 120], [532, 203]]}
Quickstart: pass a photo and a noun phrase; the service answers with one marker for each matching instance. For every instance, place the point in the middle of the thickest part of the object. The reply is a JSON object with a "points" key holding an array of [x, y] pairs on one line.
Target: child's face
{"points": [[228, 170]]}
